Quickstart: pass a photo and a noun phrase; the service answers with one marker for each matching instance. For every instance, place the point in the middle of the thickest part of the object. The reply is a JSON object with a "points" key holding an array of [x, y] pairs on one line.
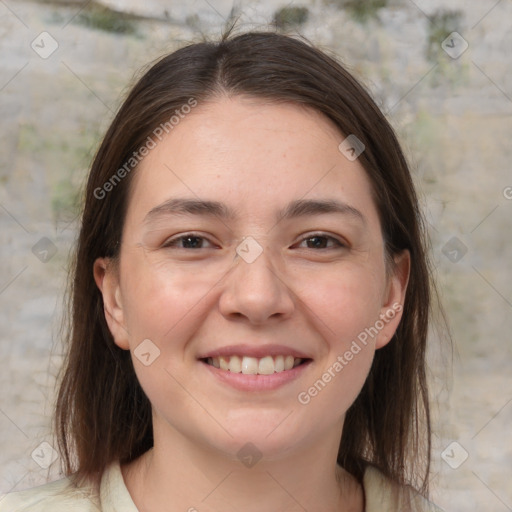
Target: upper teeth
{"points": [[253, 366]]}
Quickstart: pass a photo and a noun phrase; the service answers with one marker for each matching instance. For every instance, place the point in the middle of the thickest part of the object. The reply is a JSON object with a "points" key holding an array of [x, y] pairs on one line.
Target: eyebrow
{"points": [[297, 208]]}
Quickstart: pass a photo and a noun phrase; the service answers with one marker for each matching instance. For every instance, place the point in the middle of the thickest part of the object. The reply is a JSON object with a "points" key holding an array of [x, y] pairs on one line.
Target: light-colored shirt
{"points": [[381, 495]]}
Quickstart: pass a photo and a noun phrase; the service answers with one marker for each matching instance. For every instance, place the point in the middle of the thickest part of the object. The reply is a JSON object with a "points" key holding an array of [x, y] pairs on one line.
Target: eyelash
{"points": [[171, 243]]}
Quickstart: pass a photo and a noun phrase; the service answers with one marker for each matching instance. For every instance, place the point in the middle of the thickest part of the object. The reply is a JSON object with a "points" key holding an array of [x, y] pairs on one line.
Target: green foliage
{"points": [[364, 10], [102, 18], [287, 17], [418, 137], [64, 155], [442, 24], [361, 10], [28, 139], [65, 200]]}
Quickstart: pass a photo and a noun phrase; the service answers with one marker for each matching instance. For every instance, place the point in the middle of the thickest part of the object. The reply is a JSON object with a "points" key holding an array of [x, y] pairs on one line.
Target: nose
{"points": [[256, 291]]}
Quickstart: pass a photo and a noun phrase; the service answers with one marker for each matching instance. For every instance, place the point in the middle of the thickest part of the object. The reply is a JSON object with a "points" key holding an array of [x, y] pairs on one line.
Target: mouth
{"points": [[247, 365]]}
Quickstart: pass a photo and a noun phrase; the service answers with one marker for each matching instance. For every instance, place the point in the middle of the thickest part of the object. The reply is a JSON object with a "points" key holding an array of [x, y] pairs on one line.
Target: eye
{"points": [[187, 241], [321, 241]]}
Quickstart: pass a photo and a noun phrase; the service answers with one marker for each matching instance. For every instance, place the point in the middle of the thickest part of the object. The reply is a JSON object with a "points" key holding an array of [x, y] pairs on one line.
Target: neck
{"points": [[179, 475]]}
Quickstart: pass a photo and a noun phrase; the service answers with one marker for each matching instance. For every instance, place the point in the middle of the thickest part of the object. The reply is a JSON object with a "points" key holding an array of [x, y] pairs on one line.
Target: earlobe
{"points": [[107, 280], [394, 298]]}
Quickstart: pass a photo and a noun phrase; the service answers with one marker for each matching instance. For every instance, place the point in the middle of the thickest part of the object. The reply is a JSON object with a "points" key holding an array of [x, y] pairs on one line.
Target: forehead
{"points": [[253, 155]]}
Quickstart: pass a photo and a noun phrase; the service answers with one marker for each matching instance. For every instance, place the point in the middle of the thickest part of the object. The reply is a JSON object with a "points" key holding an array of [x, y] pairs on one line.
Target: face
{"points": [[251, 243]]}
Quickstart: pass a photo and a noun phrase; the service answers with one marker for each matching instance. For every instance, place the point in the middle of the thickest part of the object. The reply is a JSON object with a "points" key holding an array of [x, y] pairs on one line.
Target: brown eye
{"points": [[318, 241], [188, 241]]}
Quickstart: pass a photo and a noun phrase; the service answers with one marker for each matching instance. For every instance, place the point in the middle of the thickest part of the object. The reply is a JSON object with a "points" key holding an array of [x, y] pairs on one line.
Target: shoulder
{"points": [[59, 496], [383, 495], [64, 496]]}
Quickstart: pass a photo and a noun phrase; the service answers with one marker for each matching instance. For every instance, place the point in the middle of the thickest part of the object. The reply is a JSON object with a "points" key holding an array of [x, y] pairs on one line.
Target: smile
{"points": [[247, 365]]}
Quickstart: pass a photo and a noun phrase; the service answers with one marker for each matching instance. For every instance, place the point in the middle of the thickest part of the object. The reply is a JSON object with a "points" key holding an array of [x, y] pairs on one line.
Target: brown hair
{"points": [[102, 414]]}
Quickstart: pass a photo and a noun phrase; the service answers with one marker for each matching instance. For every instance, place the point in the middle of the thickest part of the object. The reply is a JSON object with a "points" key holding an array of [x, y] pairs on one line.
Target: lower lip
{"points": [[244, 382]]}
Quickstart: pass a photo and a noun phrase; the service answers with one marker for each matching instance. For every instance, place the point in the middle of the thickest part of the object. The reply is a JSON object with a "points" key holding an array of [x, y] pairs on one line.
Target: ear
{"points": [[394, 297], [107, 280]]}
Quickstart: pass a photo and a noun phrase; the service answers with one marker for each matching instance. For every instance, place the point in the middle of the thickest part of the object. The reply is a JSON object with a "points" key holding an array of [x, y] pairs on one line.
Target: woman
{"points": [[250, 297]]}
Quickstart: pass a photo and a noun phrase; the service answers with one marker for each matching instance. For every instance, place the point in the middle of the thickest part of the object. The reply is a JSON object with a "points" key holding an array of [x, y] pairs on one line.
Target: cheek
{"points": [[163, 308], [335, 387], [345, 301], [160, 300], [345, 310]]}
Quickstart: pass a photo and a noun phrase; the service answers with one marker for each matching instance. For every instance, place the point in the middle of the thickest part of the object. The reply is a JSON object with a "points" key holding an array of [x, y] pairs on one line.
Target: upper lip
{"points": [[257, 351]]}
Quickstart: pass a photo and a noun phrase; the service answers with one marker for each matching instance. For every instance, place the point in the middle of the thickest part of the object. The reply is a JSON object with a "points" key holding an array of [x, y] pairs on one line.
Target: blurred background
{"points": [[442, 73]]}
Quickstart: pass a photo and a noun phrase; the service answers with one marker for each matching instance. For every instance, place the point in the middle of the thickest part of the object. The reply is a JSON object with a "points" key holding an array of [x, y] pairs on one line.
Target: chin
{"points": [[266, 440]]}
